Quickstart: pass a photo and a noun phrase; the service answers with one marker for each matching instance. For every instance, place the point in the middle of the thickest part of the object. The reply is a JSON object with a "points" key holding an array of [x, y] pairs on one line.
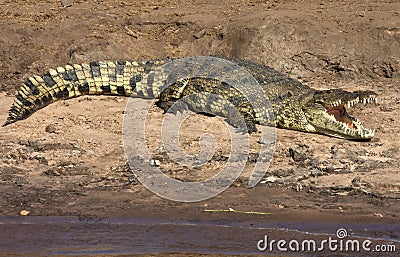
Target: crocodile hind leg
{"points": [[210, 97]]}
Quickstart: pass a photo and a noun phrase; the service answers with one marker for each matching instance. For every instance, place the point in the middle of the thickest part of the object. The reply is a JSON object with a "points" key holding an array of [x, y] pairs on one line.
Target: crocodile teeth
{"points": [[367, 100], [370, 99], [353, 102], [367, 133], [337, 103], [331, 117]]}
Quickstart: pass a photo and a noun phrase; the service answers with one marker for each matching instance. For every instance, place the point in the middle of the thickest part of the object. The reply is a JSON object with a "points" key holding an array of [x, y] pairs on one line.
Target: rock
{"points": [[334, 149], [75, 145], [199, 34], [271, 179], [24, 142], [51, 128], [82, 118], [24, 212], [297, 154], [154, 162], [67, 3]]}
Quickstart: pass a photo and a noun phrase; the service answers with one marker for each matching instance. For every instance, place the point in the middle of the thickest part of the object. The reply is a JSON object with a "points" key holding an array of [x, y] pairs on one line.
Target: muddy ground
{"points": [[68, 158]]}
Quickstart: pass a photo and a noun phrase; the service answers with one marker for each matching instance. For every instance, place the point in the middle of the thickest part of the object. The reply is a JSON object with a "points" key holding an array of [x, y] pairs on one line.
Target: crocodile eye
{"points": [[320, 102]]}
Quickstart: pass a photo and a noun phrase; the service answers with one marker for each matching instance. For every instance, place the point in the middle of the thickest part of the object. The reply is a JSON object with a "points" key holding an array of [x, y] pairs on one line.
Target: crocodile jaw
{"points": [[331, 117], [349, 129]]}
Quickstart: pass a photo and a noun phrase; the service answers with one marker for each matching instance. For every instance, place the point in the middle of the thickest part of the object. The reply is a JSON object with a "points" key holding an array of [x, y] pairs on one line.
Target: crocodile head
{"points": [[326, 112]]}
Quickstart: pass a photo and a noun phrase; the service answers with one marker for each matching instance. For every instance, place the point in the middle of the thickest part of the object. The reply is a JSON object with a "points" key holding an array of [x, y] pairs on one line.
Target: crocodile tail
{"points": [[123, 78]]}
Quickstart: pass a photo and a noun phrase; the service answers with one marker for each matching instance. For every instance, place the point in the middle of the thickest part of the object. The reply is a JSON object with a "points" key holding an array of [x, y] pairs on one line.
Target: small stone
{"points": [[299, 187], [271, 179], [51, 128], [67, 3], [356, 182], [24, 212], [75, 145], [199, 34], [154, 162], [81, 117], [23, 142], [76, 151], [334, 149]]}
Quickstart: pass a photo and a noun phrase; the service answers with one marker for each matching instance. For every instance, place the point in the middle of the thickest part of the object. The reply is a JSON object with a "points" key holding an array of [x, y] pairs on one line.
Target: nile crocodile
{"points": [[294, 105]]}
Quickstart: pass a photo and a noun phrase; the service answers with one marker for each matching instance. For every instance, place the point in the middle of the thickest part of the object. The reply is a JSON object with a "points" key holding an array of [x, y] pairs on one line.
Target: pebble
{"points": [[271, 179], [299, 187], [334, 149], [199, 34], [24, 142], [67, 3], [81, 117], [24, 212], [51, 128], [75, 145], [154, 162]]}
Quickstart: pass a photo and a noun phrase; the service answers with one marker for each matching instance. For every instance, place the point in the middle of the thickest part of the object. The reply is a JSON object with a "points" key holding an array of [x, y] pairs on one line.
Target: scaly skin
{"points": [[294, 105]]}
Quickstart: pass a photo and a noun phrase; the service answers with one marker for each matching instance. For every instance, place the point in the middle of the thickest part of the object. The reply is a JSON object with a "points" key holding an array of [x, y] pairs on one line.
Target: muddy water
{"points": [[70, 236]]}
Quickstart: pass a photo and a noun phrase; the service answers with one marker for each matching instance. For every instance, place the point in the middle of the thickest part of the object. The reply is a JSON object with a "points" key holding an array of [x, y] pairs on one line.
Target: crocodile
{"points": [[293, 105]]}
